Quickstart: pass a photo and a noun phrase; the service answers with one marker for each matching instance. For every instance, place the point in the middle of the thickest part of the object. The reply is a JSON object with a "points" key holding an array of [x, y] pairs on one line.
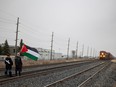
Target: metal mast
{"points": [[16, 36], [77, 50], [51, 46], [87, 51], [82, 50], [68, 48]]}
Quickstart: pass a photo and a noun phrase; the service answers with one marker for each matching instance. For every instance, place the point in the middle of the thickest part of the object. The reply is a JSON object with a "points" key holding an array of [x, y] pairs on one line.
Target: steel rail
{"points": [[50, 64], [73, 75], [50, 67], [39, 72], [90, 78]]}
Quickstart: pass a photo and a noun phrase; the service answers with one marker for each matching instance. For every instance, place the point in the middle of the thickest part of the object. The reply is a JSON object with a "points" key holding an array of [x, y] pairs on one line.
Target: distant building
{"points": [[11, 48], [58, 56], [45, 53]]}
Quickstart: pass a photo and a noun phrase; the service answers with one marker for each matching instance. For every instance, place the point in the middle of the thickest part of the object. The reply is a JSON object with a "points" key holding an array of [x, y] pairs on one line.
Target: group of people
{"points": [[9, 64]]}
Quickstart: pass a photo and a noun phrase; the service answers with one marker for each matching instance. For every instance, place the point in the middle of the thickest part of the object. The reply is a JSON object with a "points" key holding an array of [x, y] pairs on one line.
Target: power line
{"points": [[9, 20], [6, 22], [33, 38], [8, 14], [25, 33], [33, 28], [28, 29]]}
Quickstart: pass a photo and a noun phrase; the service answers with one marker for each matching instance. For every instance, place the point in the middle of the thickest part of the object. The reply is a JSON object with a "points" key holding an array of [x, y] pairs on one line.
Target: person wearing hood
{"points": [[18, 64], [8, 65]]}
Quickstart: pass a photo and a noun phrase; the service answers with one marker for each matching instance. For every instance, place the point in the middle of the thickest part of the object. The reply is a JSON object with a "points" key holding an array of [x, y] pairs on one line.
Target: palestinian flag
{"points": [[30, 52]]}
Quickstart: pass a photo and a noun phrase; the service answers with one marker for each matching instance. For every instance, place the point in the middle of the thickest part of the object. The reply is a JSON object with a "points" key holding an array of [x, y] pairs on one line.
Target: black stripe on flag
{"points": [[31, 48]]}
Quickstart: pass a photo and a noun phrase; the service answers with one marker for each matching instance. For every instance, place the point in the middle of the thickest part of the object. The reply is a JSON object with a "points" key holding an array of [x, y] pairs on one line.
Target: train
{"points": [[103, 55]]}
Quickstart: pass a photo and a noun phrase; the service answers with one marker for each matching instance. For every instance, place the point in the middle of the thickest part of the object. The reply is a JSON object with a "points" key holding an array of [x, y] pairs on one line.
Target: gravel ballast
{"points": [[104, 79]]}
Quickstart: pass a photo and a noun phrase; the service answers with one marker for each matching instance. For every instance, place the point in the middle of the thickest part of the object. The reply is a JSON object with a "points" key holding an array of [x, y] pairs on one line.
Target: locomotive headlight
{"points": [[102, 53]]}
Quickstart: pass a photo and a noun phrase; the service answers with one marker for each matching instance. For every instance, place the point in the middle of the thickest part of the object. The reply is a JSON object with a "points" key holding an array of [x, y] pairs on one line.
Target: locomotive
{"points": [[103, 55]]}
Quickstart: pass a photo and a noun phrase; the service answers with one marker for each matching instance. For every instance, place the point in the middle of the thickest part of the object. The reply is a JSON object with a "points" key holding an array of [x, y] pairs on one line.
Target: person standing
{"points": [[18, 64], [8, 65]]}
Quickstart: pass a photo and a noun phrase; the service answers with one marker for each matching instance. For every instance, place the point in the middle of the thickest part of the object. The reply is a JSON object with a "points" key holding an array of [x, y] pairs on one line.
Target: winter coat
{"points": [[8, 63], [18, 63]]}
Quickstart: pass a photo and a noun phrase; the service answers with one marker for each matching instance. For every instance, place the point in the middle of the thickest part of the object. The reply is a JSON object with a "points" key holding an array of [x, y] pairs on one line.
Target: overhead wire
{"points": [[33, 38], [33, 34], [57, 45], [1, 21], [7, 19], [33, 29], [8, 14], [8, 26], [28, 29], [30, 33], [7, 29], [7, 36]]}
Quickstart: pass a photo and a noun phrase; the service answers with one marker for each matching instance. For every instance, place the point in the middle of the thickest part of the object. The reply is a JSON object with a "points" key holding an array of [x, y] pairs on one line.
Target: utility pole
{"points": [[77, 50], [16, 36], [91, 53], [82, 50], [68, 48], [87, 51], [51, 46], [95, 53]]}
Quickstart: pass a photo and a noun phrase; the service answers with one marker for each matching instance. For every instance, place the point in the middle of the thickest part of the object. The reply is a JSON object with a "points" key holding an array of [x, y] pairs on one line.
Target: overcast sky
{"points": [[90, 22]]}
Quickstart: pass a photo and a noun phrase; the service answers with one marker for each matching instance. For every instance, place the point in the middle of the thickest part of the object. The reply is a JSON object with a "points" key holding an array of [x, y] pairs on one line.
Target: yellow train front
{"points": [[105, 55]]}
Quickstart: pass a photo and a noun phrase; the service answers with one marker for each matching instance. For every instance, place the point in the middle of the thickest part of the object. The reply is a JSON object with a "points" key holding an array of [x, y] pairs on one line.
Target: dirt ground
{"points": [[114, 60]]}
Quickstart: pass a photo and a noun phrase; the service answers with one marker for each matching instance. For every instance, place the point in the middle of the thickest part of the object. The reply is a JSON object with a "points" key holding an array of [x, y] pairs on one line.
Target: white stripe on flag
{"points": [[33, 53]]}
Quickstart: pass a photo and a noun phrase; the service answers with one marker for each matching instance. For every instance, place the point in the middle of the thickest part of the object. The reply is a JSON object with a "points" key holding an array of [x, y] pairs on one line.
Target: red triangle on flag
{"points": [[24, 49]]}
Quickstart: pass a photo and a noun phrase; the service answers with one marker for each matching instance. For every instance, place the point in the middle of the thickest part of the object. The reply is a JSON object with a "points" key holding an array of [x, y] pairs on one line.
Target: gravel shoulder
{"points": [[107, 78]]}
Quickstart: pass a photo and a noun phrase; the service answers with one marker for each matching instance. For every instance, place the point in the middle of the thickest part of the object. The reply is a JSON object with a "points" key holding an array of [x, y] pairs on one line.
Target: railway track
{"points": [[5, 79], [48, 72], [59, 83], [83, 84], [51, 64], [31, 69]]}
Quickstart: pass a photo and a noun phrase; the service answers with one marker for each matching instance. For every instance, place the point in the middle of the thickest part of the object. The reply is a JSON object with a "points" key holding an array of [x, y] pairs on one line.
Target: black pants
{"points": [[8, 71], [18, 72]]}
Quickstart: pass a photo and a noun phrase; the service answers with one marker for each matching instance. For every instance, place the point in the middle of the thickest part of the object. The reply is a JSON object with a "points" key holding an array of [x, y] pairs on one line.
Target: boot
{"points": [[6, 72], [19, 73], [10, 74], [15, 72]]}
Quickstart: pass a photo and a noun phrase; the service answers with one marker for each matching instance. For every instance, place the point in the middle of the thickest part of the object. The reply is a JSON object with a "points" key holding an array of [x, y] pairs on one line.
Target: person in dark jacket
{"points": [[8, 65], [18, 64]]}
